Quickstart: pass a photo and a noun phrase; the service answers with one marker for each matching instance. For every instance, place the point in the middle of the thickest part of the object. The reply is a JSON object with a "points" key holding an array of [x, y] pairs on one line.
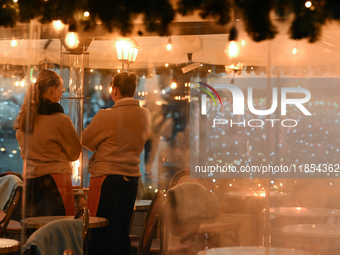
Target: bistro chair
{"points": [[10, 193], [84, 214], [158, 215], [142, 247], [209, 234]]}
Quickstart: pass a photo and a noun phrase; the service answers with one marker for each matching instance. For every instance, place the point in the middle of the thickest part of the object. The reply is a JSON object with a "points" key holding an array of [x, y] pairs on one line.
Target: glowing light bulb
{"points": [[166, 65], [58, 25], [169, 45], [14, 43], [308, 4], [72, 40], [173, 85], [233, 49], [86, 14], [294, 51]]}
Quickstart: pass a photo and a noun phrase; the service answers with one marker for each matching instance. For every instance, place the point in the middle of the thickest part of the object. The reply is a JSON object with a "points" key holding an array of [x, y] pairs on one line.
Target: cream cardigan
{"points": [[117, 135], [51, 146]]}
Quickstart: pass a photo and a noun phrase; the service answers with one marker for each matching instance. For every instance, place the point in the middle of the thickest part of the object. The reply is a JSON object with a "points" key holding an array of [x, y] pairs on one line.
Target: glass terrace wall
{"points": [[268, 153]]}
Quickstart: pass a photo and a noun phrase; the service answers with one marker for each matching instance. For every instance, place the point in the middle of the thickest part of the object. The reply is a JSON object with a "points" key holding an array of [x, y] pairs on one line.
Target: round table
{"points": [[252, 250], [253, 194], [313, 230], [37, 222], [304, 212], [9, 245], [142, 205]]}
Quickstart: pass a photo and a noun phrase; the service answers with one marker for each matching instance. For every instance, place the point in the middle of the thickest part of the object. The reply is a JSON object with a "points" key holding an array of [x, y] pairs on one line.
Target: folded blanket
{"points": [[8, 184], [57, 236], [192, 201]]}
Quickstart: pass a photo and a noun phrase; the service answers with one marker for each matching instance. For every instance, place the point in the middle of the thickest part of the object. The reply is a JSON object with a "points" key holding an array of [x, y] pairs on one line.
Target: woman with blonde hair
{"points": [[48, 143]]}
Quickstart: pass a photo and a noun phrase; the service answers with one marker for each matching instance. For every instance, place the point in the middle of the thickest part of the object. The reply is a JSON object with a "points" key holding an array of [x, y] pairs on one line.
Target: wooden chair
{"points": [[208, 232], [84, 214], [143, 246], [158, 212], [8, 226]]}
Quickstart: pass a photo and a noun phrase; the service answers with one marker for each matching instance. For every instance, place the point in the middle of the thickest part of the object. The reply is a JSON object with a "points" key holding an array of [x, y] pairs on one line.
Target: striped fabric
{"points": [[94, 194], [64, 185]]}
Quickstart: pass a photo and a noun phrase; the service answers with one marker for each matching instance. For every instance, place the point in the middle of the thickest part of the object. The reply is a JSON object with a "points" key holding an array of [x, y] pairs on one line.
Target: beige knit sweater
{"points": [[51, 146], [117, 135]]}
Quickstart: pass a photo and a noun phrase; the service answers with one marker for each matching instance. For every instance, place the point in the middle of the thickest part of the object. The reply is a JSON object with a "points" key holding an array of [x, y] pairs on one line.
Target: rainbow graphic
{"points": [[204, 97]]}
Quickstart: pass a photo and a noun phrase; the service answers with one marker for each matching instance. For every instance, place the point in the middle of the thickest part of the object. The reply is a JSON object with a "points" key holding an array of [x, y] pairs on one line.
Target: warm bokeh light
{"points": [[173, 85], [308, 4], [72, 40], [86, 14], [294, 51], [166, 65]]}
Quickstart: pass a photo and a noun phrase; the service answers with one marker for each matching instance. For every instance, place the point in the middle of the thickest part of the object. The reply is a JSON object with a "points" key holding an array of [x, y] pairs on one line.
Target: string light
{"points": [[308, 4], [233, 48], [14, 43], [58, 25]]}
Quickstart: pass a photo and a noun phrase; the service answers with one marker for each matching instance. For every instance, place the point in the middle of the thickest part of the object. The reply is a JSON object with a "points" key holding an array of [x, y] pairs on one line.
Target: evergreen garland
{"points": [[118, 15]]}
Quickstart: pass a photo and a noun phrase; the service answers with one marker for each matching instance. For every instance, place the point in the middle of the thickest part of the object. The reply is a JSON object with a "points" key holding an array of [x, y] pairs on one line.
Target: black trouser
{"points": [[43, 197], [116, 204]]}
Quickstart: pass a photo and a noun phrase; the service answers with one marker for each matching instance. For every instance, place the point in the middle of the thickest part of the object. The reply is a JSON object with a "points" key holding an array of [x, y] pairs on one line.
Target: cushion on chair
{"points": [[8, 184], [57, 236]]}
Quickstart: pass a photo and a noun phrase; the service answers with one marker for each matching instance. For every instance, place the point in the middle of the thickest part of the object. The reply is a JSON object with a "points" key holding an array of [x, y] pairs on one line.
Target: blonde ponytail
{"points": [[29, 109]]}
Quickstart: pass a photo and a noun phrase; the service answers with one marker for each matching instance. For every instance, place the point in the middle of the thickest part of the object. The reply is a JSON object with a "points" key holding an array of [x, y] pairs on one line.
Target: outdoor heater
{"points": [[76, 60]]}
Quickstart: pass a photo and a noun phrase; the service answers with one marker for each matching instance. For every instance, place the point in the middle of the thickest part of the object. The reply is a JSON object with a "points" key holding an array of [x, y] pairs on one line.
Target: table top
{"points": [[253, 194], [9, 245], [313, 230], [304, 212], [252, 250], [141, 205], [37, 222]]}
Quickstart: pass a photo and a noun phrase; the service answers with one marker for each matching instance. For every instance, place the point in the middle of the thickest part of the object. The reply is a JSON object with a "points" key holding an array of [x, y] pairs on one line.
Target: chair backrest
{"points": [[13, 190], [183, 176], [55, 237], [84, 213], [151, 223]]}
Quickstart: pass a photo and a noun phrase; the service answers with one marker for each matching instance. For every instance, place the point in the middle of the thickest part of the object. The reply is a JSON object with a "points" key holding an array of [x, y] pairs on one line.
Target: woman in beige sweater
{"points": [[48, 143], [117, 135]]}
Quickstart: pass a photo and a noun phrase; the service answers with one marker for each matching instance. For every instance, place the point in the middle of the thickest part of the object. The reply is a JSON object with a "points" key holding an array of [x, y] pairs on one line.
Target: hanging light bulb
{"points": [[233, 49], [72, 39], [58, 25], [169, 45]]}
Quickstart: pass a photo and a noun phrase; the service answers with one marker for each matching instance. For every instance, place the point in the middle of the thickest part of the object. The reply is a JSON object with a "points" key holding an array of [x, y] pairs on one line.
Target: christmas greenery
{"points": [[119, 15]]}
